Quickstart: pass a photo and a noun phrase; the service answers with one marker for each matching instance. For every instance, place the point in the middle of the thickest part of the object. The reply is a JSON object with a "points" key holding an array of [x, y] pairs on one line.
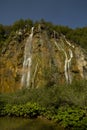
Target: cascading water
{"points": [[67, 64], [69, 44], [25, 80]]}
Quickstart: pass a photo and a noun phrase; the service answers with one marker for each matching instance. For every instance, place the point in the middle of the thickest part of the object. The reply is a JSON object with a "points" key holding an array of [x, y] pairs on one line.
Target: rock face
{"points": [[40, 60]]}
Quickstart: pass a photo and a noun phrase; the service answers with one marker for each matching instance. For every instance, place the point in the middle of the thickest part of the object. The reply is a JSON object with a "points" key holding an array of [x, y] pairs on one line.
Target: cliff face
{"points": [[39, 59]]}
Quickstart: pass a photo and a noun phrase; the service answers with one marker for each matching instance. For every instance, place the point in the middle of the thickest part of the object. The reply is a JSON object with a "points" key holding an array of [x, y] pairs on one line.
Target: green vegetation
{"points": [[65, 104], [25, 110], [77, 35], [8, 33]]}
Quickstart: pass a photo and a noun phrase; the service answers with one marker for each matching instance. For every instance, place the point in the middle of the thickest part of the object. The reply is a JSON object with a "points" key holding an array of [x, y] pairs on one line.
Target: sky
{"points": [[71, 13]]}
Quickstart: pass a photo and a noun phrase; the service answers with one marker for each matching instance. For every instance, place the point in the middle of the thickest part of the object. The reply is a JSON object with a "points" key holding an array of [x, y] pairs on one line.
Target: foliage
{"points": [[63, 29], [72, 117], [51, 96], [21, 24], [26, 110], [1, 32], [68, 117], [65, 104], [4, 32], [77, 35]]}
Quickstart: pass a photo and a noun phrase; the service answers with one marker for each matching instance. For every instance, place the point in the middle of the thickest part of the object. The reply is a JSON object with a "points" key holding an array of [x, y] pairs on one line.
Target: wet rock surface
{"points": [[54, 60]]}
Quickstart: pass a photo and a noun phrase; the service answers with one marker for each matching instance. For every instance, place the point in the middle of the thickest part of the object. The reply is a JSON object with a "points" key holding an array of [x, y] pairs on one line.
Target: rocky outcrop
{"points": [[40, 60]]}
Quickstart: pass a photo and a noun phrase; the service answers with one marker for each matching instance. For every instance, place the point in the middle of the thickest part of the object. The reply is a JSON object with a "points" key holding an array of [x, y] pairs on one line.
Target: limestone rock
{"points": [[55, 60]]}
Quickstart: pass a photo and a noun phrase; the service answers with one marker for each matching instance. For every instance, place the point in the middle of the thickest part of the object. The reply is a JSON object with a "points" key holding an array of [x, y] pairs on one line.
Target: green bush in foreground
{"points": [[25, 110], [68, 117], [72, 117], [65, 104]]}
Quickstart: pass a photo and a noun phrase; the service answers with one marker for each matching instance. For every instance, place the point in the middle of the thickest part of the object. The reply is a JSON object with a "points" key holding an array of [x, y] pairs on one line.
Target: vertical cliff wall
{"points": [[39, 60]]}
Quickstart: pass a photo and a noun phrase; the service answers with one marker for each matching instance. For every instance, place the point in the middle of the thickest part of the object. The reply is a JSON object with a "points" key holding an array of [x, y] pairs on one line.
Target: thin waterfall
{"points": [[25, 80], [67, 61], [69, 43], [65, 66], [60, 48]]}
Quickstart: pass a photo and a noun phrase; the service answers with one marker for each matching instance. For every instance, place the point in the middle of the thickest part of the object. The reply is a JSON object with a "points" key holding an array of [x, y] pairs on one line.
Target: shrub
{"points": [[66, 104]]}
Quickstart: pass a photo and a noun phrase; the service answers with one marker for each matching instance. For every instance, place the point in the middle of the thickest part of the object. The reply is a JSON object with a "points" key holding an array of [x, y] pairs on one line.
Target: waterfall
{"points": [[69, 43], [65, 66], [25, 80], [69, 63], [67, 60], [58, 47]]}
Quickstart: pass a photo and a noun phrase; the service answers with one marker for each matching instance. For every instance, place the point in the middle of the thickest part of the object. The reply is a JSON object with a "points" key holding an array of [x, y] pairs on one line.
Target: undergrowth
{"points": [[65, 104]]}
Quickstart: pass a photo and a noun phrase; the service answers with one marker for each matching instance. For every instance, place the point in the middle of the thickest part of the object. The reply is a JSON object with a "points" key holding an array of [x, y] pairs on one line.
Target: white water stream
{"points": [[69, 63], [69, 43], [67, 60], [25, 80]]}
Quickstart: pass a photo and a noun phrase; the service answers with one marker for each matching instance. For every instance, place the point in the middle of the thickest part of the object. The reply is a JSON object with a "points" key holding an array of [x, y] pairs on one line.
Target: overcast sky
{"points": [[72, 13]]}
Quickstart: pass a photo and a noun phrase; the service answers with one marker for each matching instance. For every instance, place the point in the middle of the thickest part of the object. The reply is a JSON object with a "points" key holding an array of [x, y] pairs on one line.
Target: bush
{"points": [[66, 104], [71, 117], [26, 110], [51, 97]]}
